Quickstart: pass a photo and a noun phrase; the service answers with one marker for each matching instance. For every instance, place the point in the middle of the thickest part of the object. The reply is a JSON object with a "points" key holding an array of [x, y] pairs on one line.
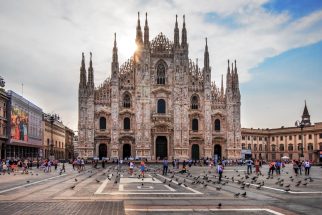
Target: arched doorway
{"points": [[195, 152], [217, 152], [126, 151], [161, 146], [102, 151]]}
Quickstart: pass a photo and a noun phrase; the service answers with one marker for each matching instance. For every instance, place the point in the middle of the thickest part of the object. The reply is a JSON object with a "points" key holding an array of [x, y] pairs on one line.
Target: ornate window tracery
{"points": [[126, 101], [194, 102], [161, 74]]}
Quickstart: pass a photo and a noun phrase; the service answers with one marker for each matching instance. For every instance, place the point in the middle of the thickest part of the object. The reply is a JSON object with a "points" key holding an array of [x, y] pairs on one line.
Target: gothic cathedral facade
{"points": [[159, 104]]}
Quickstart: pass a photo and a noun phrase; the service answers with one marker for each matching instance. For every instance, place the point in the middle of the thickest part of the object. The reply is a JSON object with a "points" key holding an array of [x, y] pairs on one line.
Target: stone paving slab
{"points": [[62, 208]]}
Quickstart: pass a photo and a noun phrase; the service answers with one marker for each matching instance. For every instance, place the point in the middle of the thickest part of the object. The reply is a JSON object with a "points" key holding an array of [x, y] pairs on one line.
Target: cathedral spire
{"points": [[222, 85], [138, 38], [176, 34], [90, 82], [82, 81], [146, 31], [206, 57], [184, 34], [115, 55]]}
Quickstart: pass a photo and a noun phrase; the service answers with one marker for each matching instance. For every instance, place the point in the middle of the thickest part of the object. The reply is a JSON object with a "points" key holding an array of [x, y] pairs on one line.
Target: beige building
{"points": [[69, 145], [159, 103], [54, 137], [272, 144]]}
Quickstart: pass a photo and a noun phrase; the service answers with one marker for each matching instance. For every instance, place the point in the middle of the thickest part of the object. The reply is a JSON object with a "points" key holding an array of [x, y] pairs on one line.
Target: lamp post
{"points": [[301, 124]]}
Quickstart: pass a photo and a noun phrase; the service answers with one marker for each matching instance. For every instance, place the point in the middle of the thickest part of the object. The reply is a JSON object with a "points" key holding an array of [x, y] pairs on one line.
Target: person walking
{"points": [[142, 168], [307, 167], [220, 169], [249, 164], [271, 168], [257, 166], [165, 166], [295, 167], [131, 168]]}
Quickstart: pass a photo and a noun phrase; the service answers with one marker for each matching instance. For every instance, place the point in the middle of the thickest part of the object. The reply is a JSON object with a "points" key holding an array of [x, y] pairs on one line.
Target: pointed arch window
{"points": [[195, 125], [161, 106], [194, 102], [217, 125], [161, 74], [127, 123], [102, 123], [126, 100]]}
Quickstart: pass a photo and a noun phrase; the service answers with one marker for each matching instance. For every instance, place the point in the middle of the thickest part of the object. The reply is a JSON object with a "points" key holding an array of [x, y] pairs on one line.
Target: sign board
{"points": [[320, 154]]}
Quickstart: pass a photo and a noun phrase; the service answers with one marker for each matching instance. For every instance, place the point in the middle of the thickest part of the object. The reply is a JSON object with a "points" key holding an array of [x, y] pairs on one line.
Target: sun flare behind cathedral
{"points": [[159, 104]]}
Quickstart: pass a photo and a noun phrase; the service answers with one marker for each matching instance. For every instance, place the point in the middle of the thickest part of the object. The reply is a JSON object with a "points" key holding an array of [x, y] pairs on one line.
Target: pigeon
{"points": [[247, 185], [115, 182], [259, 187], [205, 185], [165, 181], [219, 205], [218, 188], [72, 187], [242, 187], [236, 194], [28, 181], [142, 184], [179, 183], [287, 189], [243, 194], [287, 185], [153, 179], [98, 181], [305, 183], [185, 185]]}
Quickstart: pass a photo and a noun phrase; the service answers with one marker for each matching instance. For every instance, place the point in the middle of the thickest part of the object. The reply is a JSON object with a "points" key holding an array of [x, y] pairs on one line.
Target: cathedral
{"points": [[159, 104]]}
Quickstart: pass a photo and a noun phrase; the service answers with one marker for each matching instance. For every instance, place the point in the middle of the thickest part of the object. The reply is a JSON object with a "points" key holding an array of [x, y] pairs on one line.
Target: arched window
{"points": [[127, 123], [217, 125], [161, 74], [290, 147], [281, 147], [102, 123], [310, 147], [194, 102], [126, 101], [195, 125], [161, 106], [273, 148], [299, 146]]}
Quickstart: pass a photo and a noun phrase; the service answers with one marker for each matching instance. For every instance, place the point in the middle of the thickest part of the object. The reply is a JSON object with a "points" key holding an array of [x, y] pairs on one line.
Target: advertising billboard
{"points": [[19, 124]]}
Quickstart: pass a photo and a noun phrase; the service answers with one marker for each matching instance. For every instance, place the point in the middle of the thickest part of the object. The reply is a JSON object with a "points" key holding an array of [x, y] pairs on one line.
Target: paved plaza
{"points": [[114, 191]]}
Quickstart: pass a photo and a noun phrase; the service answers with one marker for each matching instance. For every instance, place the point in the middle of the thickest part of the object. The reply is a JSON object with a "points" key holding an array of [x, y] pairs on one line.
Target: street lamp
{"points": [[301, 124]]}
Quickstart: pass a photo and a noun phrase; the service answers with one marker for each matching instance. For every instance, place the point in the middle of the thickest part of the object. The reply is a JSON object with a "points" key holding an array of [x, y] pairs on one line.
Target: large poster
{"points": [[19, 124]]}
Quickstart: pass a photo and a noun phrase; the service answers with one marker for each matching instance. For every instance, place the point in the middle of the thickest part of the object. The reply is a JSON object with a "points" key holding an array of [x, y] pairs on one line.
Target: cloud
{"points": [[41, 41]]}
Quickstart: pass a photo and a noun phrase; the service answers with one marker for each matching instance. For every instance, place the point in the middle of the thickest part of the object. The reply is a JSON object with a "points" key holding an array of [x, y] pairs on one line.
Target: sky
{"points": [[277, 45]]}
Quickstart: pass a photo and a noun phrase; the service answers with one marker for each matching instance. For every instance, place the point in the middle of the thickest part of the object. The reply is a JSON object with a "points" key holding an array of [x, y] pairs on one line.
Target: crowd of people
{"points": [[25, 165]]}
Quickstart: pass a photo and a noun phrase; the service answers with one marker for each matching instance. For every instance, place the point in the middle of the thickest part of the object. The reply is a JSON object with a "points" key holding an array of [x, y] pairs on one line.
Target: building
{"points": [[69, 145], [4, 125], [159, 104], [25, 128], [54, 137], [273, 144]]}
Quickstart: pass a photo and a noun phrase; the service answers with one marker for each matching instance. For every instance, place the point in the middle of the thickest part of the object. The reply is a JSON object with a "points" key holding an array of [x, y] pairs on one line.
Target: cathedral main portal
{"points": [[161, 145]]}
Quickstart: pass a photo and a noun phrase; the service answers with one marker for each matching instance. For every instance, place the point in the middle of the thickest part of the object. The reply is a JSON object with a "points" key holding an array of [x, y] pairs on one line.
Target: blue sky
{"points": [[277, 45]]}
